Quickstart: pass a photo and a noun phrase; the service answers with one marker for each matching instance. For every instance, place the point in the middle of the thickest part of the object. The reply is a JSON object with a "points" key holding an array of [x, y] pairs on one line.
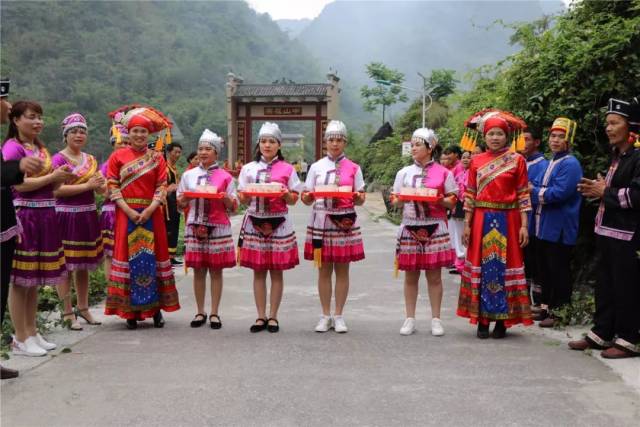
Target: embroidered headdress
{"points": [[146, 117], [489, 118], [566, 125], [73, 120], [425, 135], [211, 139], [335, 129], [272, 130]]}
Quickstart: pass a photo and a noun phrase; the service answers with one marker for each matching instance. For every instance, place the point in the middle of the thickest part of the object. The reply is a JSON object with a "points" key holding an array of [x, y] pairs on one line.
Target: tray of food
{"points": [[263, 190], [410, 194], [327, 191], [203, 195]]}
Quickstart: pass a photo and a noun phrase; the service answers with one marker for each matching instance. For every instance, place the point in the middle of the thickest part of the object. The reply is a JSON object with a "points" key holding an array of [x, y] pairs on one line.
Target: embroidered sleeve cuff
{"points": [[541, 196], [624, 198], [115, 195]]}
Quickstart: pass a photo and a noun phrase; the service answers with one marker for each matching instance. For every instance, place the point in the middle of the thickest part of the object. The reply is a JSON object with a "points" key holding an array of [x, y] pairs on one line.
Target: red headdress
{"points": [[147, 117], [482, 121]]}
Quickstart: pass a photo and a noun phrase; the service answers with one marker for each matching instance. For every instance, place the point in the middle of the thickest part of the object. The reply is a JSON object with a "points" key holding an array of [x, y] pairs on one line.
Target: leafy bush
{"points": [[579, 312]]}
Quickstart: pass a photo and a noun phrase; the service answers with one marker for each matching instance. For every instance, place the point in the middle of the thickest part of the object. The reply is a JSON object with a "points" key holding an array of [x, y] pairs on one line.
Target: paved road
{"points": [[370, 376]]}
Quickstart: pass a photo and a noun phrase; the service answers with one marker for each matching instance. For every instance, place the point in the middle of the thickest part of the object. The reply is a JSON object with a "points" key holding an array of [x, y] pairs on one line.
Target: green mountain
{"points": [[93, 57], [414, 36]]}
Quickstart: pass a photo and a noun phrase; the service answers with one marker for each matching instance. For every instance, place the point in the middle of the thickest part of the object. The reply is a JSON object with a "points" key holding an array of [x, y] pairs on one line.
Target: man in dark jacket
{"points": [[617, 294]]}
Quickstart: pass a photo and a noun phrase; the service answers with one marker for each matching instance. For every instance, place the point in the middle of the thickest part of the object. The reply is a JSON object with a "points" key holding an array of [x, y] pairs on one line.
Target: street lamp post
{"points": [[423, 92]]}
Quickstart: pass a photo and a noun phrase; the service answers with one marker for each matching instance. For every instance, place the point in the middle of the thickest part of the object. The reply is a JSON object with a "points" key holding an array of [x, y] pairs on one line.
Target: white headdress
{"points": [[426, 135], [212, 139], [272, 130], [335, 129]]}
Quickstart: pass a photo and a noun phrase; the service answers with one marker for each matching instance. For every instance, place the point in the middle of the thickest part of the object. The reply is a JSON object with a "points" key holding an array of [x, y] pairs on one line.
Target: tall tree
{"points": [[383, 94], [441, 83]]}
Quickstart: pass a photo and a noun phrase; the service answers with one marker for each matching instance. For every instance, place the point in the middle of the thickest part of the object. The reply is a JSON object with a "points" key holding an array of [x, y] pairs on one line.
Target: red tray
{"points": [[203, 195], [336, 194], [416, 198], [260, 194]]}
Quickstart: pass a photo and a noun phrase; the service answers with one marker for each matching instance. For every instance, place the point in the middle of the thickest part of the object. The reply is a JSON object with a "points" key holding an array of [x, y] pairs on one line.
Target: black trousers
{"points": [[173, 226], [554, 272], [618, 289], [8, 248], [531, 269]]}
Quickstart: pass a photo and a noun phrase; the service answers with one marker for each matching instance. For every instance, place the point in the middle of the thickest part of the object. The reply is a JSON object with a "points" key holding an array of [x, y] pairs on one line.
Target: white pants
{"points": [[456, 229]]}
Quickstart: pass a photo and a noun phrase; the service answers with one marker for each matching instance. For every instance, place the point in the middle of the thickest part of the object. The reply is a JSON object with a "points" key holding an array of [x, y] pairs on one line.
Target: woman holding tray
{"points": [[423, 238], [496, 203], [207, 236], [267, 242], [333, 235]]}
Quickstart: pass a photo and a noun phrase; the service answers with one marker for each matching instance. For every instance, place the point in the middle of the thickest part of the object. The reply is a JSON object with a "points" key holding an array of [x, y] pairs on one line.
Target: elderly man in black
{"points": [[617, 317], [12, 174]]}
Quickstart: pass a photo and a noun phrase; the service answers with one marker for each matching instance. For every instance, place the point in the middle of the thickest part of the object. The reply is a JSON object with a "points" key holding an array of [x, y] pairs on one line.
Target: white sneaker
{"points": [[436, 327], [408, 327], [27, 348], [44, 343], [339, 325], [324, 324]]}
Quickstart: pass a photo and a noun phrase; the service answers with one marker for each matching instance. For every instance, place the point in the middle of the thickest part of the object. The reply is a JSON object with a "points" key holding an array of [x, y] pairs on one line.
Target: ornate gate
{"points": [[246, 103]]}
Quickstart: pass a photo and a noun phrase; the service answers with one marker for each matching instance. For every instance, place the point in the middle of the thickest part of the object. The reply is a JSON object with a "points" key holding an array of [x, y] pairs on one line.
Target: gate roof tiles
{"points": [[263, 90]]}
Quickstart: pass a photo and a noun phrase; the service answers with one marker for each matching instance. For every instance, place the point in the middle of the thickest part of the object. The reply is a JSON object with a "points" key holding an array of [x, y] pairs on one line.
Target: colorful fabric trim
{"points": [[591, 336], [137, 168], [137, 201], [43, 203], [489, 171], [11, 232], [494, 205], [627, 346], [601, 229], [142, 264], [76, 208], [624, 198], [493, 299], [85, 170]]}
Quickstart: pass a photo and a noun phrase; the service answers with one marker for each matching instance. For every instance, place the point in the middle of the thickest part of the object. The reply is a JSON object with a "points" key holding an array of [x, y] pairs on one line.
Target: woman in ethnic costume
{"points": [[78, 218], [497, 200], [208, 241], [333, 235], [39, 254], [267, 242], [119, 139], [141, 282], [423, 237]]}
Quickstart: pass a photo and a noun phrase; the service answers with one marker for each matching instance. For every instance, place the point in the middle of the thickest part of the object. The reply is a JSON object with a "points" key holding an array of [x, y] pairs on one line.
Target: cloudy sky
{"points": [[298, 9]]}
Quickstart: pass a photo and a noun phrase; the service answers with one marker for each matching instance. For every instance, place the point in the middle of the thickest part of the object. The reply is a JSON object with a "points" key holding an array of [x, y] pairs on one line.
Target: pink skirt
{"points": [[338, 245], [216, 251], [278, 251], [429, 254]]}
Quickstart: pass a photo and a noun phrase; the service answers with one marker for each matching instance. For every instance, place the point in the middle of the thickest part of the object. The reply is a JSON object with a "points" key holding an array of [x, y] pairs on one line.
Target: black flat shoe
{"points": [[7, 374], [499, 331], [132, 324], [273, 328], [158, 321], [258, 327], [483, 331], [542, 314], [215, 324], [199, 320]]}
